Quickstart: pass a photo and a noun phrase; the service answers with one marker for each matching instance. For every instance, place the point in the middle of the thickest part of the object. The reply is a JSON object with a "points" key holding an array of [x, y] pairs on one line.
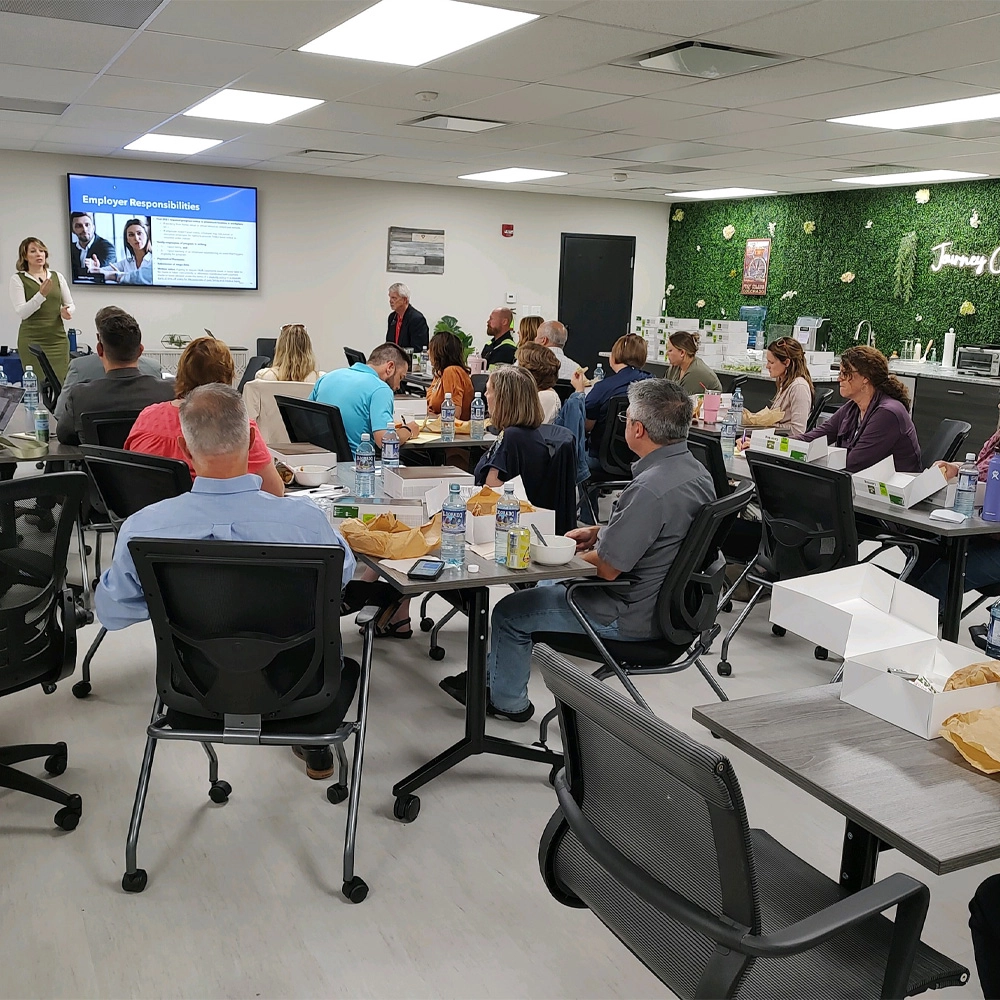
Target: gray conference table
{"points": [[895, 789]]}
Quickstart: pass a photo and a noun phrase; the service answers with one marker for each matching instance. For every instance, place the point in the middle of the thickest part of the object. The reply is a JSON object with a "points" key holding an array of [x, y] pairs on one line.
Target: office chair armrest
{"points": [[69, 632], [367, 615], [909, 544]]}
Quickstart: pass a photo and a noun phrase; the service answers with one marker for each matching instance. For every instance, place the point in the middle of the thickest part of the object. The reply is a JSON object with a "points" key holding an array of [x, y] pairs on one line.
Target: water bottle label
{"points": [[507, 518], [365, 463], [390, 452], [453, 519]]}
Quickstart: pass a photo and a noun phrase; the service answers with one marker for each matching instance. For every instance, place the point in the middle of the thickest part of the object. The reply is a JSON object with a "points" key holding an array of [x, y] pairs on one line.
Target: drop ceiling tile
{"points": [[780, 138], [624, 81], [893, 144], [737, 159], [42, 84], [630, 115], [452, 89], [523, 136], [668, 152], [11, 142], [678, 17], [55, 44], [207, 159], [32, 131], [343, 117], [104, 138], [593, 144], [72, 148], [203, 128], [115, 119], [177, 59], [943, 48], [255, 22], [985, 74], [534, 102], [144, 95], [832, 25]]}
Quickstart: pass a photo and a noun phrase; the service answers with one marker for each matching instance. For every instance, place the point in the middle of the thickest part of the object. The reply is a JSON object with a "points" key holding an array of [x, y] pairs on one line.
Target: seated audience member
{"points": [[686, 367], [205, 361], [364, 395], [647, 528], [984, 922], [874, 423], [499, 349], [785, 362], [515, 414], [124, 386], [447, 358], [294, 360], [628, 355], [543, 366], [553, 335], [527, 329], [225, 502]]}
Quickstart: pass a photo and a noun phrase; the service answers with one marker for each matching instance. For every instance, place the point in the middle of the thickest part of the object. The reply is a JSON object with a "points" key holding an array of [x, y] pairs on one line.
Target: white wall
{"points": [[322, 252]]}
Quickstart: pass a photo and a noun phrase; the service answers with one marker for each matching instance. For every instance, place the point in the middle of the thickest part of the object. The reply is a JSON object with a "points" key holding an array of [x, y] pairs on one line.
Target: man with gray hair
{"points": [[407, 327], [647, 528], [553, 335]]}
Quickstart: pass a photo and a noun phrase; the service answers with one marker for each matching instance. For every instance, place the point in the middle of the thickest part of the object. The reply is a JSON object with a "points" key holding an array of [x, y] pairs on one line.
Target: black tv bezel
{"points": [[153, 180]]}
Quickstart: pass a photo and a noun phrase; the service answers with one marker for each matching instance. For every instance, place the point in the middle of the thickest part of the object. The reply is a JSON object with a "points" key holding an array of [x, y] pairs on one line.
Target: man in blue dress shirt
{"points": [[225, 502]]}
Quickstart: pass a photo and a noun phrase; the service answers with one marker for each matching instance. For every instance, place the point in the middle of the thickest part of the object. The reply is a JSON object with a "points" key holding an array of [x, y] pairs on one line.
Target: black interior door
{"points": [[595, 293]]}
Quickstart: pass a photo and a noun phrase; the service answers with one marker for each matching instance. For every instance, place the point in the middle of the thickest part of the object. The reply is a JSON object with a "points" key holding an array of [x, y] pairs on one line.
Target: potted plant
{"points": [[448, 324]]}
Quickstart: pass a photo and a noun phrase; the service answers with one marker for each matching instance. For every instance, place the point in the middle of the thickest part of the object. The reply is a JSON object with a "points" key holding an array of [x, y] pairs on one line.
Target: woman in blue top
{"points": [[137, 266]]}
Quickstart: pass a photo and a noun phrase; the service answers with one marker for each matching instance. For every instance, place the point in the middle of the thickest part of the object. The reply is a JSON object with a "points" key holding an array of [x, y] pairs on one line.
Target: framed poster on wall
{"points": [[756, 259]]}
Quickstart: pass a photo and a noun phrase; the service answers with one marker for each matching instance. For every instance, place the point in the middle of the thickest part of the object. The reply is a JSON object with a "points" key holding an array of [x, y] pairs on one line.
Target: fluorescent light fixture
{"points": [[453, 124], [909, 177], [414, 32], [966, 109], [511, 175], [250, 106], [719, 193], [184, 145]]}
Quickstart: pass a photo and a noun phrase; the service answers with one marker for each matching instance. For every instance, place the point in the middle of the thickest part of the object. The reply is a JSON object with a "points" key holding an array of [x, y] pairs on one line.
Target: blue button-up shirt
{"points": [[234, 509]]}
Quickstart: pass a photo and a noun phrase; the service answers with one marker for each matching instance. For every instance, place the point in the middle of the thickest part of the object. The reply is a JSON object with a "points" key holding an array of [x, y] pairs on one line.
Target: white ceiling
{"points": [[553, 80]]}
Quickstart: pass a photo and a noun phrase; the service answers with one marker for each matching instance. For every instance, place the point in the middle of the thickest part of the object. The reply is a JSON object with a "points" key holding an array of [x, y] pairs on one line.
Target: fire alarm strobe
{"points": [[507, 229]]}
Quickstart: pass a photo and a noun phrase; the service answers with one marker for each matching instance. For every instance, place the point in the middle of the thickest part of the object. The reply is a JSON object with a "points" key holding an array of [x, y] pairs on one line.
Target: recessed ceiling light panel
{"points": [[414, 32], [910, 177], [708, 61], [251, 106], [454, 124], [184, 145], [719, 193], [511, 175], [967, 109]]}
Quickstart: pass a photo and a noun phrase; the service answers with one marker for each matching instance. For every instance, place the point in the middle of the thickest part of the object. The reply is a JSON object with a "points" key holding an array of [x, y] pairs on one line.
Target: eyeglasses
{"points": [[624, 417], [845, 376]]}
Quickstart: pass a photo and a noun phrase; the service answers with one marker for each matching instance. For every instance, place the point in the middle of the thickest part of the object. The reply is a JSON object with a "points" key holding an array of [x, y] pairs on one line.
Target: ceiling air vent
{"points": [[114, 13], [706, 60]]}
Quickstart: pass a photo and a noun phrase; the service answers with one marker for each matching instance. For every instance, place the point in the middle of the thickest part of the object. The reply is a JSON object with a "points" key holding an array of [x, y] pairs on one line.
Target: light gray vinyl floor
{"points": [[244, 899]]}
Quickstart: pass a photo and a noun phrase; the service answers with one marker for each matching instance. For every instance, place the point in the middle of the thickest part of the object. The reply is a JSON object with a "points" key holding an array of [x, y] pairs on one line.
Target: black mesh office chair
{"points": [[479, 381], [807, 515], [254, 365], [820, 398], [315, 423], [354, 357], [38, 618], [946, 444], [613, 454], [651, 835], [686, 609], [564, 389], [266, 347], [126, 481], [109, 428], [50, 387], [707, 448], [248, 652]]}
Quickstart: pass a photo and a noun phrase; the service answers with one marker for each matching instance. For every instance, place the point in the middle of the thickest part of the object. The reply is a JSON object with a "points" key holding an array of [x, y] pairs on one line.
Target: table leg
{"points": [[859, 857], [475, 741], [957, 550]]}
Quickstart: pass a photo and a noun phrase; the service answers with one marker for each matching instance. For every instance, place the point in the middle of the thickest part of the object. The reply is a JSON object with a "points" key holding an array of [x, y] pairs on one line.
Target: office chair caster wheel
{"points": [[220, 791], [556, 768], [336, 793], [406, 808], [67, 818], [821, 653], [356, 890], [727, 608], [83, 617], [724, 669], [56, 764], [94, 583], [134, 881], [436, 652], [81, 689], [778, 631], [48, 688], [426, 624]]}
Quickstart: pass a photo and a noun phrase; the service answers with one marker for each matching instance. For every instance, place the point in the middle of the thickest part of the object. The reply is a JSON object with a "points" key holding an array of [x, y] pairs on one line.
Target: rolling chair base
{"points": [[55, 756]]}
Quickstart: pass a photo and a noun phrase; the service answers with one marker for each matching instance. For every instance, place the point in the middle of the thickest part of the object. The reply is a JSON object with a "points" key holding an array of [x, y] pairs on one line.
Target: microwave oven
{"points": [[979, 360]]}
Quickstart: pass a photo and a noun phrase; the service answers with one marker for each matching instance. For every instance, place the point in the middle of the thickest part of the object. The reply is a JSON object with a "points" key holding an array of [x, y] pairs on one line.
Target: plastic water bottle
{"points": [[598, 373], [447, 418], [364, 468], [728, 439], [508, 512], [993, 635], [390, 446], [477, 430], [737, 410], [29, 382], [965, 495], [3, 377], [991, 501], [453, 528]]}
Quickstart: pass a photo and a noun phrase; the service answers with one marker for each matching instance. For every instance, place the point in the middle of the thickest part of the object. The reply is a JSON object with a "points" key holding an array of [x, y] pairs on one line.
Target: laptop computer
{"points": [[11, 397]]}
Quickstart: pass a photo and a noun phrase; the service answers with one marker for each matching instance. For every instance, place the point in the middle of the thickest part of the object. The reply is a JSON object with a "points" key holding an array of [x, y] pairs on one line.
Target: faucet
{"points": [[871, 332]]}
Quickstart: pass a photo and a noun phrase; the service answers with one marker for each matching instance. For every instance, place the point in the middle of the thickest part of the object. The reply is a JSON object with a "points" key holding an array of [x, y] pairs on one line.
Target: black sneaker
{"points": [[498, 713], [319, 761], [455, 686]]}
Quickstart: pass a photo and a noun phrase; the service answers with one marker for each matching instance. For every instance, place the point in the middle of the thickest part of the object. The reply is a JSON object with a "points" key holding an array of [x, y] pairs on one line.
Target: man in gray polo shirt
{"points": [[647, 528]]}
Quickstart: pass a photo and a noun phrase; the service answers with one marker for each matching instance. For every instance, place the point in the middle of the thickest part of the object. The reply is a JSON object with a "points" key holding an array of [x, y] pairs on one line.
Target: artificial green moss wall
{"points": [[703, 265]]}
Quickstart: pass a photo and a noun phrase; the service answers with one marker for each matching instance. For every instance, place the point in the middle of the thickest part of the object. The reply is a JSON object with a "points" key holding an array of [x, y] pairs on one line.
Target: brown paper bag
{"points": [[973, 675], [432, 425], [767, 417], [386, 537], [976, 736], [484, 503]]}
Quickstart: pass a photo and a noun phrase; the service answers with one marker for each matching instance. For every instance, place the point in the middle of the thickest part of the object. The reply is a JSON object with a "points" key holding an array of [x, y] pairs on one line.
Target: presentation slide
{"points": [[163, 234]]}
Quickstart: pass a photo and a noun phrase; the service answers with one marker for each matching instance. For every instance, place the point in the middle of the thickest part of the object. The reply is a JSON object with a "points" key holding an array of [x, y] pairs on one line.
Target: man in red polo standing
{"points": [[407, 327]]}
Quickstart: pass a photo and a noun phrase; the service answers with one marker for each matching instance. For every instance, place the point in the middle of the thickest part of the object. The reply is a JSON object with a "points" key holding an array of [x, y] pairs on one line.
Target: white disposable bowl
{"points": [[311, 475], [557, 550]]}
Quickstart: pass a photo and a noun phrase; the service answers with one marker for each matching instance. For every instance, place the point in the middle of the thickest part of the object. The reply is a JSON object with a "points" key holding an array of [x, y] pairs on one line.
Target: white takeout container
{"points": [[479, 530], [901, 489], [413, 482], [767, 440]]}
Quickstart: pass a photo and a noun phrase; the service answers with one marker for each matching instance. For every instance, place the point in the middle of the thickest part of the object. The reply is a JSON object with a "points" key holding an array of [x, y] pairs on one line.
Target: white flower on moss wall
{"points": [[868, 224], [847, 277], [729, 232], [678, 215], [700, 303], [789, 295], [771, 227], [923, 196], [670, 288], [919, 318], [698, 248], [974, 219], [966, 309], [809, 227], [723, 311]]}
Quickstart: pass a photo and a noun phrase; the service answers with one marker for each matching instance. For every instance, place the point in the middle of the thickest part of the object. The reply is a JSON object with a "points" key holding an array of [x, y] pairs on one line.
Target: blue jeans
{"points": [[982, 568], [515, 617]]}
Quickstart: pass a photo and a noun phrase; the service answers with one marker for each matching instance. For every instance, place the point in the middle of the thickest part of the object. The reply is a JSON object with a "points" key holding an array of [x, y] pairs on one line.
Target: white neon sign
{"points": [[976, 262]]}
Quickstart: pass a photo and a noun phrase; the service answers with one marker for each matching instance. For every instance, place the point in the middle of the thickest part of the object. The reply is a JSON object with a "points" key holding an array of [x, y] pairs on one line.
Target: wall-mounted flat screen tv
{"points": [[161, 234]]}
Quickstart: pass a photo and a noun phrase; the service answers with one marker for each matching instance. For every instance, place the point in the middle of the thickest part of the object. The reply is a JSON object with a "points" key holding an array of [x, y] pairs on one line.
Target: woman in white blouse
{"points": [[136, 266], [42, 301], [544, 368], [294, 360]]}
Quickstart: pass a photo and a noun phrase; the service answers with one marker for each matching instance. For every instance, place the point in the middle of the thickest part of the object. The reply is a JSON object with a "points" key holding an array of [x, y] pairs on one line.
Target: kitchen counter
{"points": [[917, 369]]}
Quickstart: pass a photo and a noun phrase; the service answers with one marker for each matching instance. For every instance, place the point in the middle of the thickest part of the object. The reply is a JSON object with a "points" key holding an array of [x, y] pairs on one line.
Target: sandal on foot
{"points": [[395, 630]]}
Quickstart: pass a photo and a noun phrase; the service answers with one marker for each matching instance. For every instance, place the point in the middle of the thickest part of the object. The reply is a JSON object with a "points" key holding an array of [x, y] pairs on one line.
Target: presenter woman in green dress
{"points": [[42, 300]]}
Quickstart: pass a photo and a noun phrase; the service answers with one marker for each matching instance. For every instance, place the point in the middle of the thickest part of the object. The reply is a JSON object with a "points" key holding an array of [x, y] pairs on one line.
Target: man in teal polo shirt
{"points": [[364, 392]]}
